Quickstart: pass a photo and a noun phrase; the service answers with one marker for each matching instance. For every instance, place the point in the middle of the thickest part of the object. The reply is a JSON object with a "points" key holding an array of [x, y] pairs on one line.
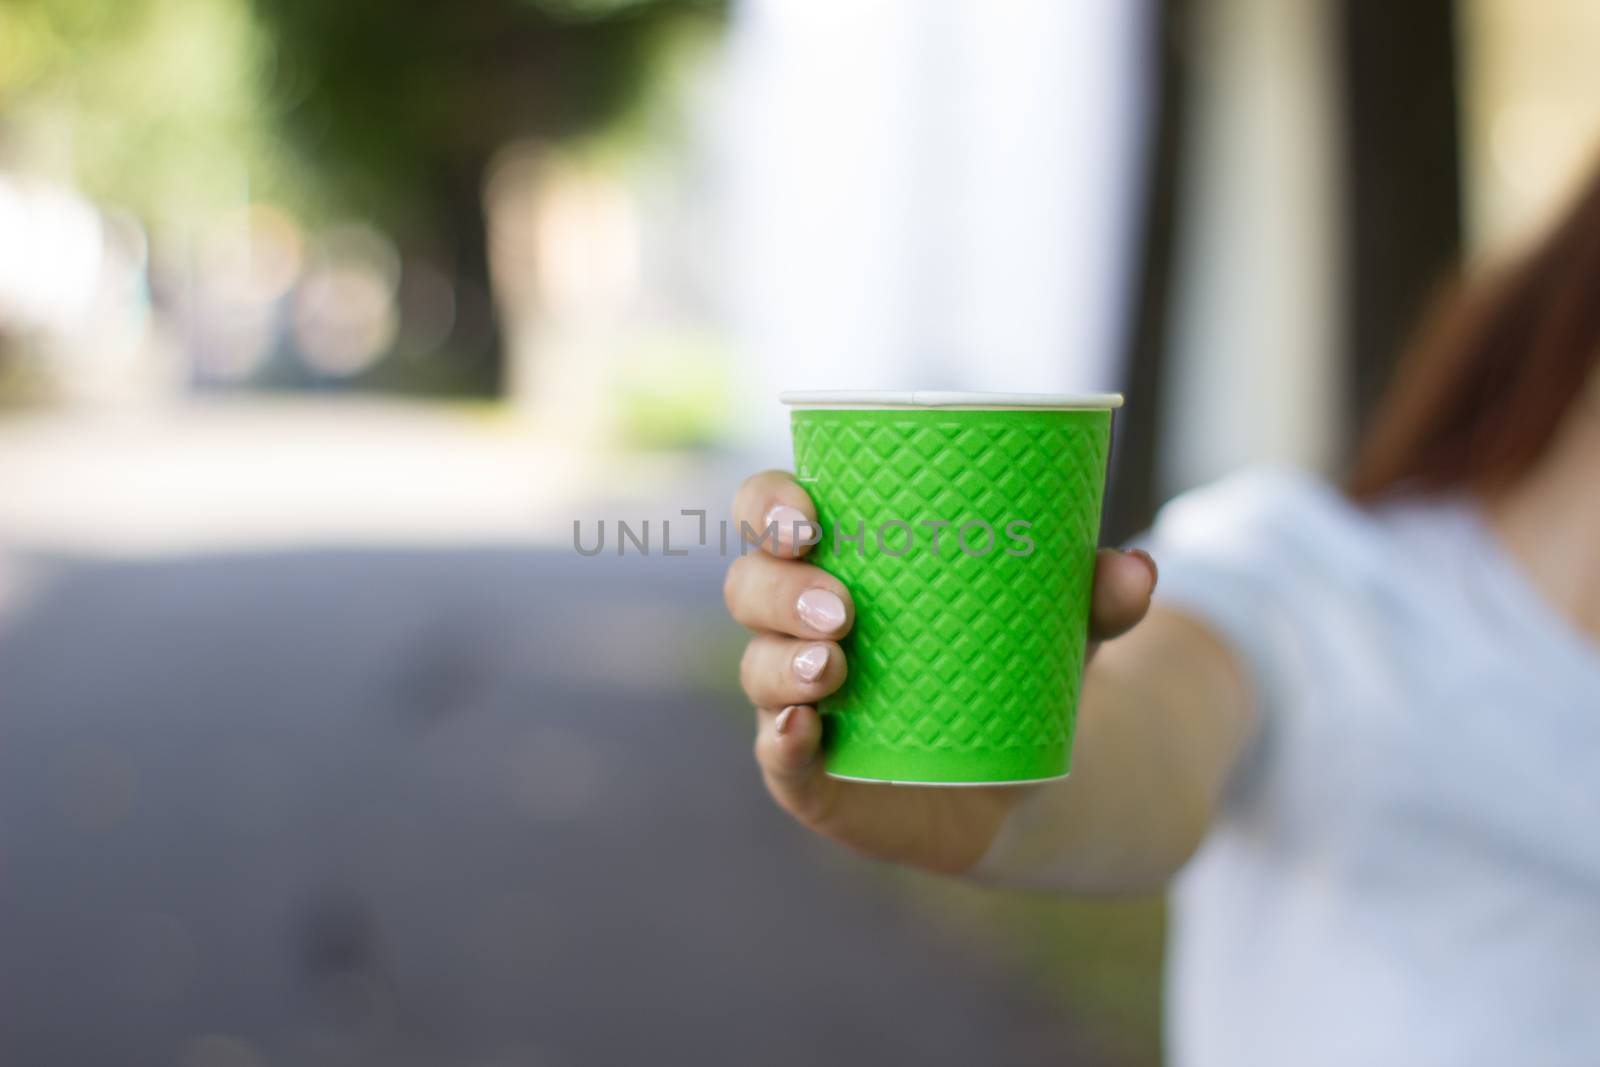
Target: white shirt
{"points": [[1406, 869]]}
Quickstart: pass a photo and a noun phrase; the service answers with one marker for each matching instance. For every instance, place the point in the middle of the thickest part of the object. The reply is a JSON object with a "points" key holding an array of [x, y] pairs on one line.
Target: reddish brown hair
{"points": [[1489, 378]]}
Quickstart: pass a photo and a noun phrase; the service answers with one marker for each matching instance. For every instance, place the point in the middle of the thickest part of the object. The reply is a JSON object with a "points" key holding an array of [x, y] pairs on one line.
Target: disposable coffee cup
{"points": [[965, 527]]}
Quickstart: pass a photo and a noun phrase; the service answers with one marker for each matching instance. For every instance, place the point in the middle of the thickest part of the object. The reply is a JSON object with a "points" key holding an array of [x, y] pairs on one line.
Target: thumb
{"points": [[789, 752]]}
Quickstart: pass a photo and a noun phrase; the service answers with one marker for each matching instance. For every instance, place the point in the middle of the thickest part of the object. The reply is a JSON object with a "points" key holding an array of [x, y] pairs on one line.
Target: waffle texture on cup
{"points": [[965, 662]]}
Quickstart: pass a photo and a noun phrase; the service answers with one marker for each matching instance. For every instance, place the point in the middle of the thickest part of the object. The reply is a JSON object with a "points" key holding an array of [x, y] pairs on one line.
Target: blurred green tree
{"points": [[153, 106], [401, 104], [387, 110]]}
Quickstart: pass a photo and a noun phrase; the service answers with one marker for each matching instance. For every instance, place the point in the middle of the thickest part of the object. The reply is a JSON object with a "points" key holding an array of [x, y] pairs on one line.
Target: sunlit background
{"points": [[321, 324]]}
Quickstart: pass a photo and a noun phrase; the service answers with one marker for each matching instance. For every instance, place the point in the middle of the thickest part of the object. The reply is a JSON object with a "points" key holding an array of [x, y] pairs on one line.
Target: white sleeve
{"points": [[1239, 555]]}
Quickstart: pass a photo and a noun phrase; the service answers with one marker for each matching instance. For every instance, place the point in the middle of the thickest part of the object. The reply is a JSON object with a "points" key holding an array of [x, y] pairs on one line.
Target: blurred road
{"points": [[400, 806]]}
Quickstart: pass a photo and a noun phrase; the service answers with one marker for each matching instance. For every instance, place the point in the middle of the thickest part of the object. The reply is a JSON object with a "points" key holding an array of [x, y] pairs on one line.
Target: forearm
{"points": [[1163, 718]]}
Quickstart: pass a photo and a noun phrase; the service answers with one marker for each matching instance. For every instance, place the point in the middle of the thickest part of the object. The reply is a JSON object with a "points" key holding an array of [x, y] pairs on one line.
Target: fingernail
{"points": [[820, 610], [810, 661], [786, 518], [1149, 561], [781, 725]]}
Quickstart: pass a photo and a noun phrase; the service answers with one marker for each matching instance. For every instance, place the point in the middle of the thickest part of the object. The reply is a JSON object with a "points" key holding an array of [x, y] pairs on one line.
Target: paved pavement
{"points": [[435, 807], [253, 473]]}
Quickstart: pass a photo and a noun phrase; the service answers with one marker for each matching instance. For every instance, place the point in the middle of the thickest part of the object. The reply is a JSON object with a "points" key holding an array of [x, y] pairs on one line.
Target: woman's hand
{"points": [[798, 613]]}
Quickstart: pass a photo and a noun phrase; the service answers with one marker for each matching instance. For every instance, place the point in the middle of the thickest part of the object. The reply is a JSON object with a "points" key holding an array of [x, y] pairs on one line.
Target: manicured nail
{"points": [[787, 518], [781, 725], [1149, 561], [810, 662], [820, 610]]}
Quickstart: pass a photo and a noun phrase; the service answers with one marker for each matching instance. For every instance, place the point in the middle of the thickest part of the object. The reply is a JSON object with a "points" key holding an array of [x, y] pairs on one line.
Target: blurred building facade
{"points": [[925, 195]]}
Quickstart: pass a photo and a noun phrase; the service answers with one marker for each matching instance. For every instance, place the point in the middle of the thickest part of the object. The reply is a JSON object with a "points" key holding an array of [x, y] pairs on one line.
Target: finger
{"points": [[787, 598], [775, 514], [1123, 582], [789, 752], [779, 671]]}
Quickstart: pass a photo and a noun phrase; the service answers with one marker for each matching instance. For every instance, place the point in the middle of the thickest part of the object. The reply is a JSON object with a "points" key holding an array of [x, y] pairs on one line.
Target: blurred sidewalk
{"points": [[257, 473]]}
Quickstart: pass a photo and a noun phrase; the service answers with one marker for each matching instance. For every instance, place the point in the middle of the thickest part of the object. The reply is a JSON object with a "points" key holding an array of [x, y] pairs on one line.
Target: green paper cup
{"points": [[965, 527]]}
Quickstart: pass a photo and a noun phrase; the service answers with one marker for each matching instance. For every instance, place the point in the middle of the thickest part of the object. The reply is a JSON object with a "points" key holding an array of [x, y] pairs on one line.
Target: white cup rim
{"points": [[925, 398]]}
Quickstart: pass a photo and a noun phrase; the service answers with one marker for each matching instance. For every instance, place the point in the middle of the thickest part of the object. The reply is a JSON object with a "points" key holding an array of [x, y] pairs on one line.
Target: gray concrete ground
{"points": [[435, 807]]}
